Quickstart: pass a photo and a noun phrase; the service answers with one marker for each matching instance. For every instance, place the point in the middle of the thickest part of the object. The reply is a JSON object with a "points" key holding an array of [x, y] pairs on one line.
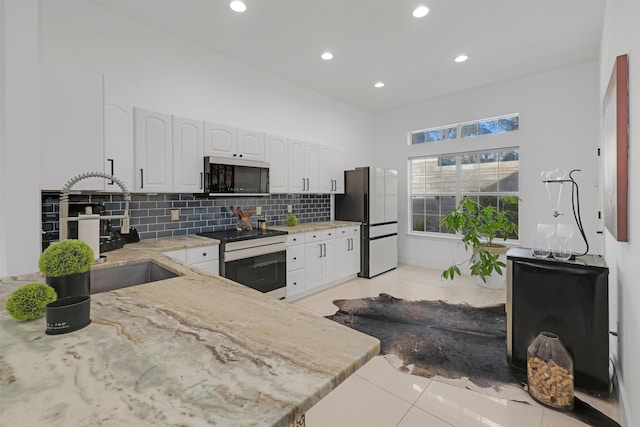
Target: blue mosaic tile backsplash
{"points": [[151, 213]]}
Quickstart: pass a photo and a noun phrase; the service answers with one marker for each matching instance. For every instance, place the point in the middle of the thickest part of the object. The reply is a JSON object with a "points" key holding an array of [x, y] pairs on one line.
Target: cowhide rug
{"points": [[454, 343]]}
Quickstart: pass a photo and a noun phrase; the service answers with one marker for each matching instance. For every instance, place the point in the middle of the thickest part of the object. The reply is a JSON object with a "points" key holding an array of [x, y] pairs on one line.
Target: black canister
{"points": [[68, 314]]}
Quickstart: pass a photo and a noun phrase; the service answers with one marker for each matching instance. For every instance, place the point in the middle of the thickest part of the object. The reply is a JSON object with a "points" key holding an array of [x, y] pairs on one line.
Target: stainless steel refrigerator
{"points": [[371, 197]]}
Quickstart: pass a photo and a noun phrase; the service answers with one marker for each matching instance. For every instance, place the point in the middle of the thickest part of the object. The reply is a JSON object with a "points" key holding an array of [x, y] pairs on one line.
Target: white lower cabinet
{"points": [[203, 257], [320, 248], [320, 259], [347, 251], [296, 272]]}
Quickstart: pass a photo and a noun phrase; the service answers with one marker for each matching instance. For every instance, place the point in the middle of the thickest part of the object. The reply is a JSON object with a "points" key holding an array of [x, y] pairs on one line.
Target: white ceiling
{"points": [[380, 40]]}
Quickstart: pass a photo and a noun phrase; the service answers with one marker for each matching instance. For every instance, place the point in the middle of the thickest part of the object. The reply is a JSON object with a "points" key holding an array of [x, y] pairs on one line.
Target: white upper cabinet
{"points": [[227, 141], [71, 122], [315, 168], [153, 151], [219, 140], [297, 178], [187, 155], [276, 154], [338, 170], [312, 167], [325, 173], [250, 145], [118, 145], [331, 162]]}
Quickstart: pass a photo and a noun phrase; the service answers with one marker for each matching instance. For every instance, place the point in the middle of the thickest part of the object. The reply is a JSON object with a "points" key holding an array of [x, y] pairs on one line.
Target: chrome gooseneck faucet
{"points": [[64, 202]]}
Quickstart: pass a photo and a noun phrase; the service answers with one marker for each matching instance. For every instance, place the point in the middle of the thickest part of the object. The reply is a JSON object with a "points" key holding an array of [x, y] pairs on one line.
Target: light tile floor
{"points": [[377, 395]]}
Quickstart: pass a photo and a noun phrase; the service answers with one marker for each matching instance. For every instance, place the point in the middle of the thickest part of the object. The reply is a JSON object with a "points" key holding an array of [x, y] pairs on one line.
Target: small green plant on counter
{"points": [[479, 226], [30, 301], [291, 221], [65, 258]]}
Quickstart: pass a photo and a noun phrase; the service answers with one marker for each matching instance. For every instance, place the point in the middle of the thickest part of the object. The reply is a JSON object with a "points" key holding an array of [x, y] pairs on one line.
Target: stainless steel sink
{"points": [[111, 278]]}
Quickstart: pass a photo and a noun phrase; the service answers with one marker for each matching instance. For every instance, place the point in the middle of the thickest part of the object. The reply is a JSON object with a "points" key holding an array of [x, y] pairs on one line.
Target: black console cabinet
{"points": [[567, 298]]}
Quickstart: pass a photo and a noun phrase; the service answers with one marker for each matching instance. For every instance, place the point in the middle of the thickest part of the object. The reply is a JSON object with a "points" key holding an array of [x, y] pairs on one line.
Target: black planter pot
{"points": [[78, 284], [68, 314]]}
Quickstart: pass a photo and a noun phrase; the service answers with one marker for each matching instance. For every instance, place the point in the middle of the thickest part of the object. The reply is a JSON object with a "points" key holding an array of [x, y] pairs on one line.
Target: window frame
{"points": [[458, 130], [459, 194]]}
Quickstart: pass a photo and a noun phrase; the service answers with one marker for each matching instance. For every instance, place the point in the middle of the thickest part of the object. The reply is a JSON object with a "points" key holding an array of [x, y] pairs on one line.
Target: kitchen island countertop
{"points": [[192, 350]]}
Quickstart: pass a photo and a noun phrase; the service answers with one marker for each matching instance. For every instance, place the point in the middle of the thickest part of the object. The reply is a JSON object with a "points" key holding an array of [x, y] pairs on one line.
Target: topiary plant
{"points": [[65, 258], [291, 221], [30, 301]]}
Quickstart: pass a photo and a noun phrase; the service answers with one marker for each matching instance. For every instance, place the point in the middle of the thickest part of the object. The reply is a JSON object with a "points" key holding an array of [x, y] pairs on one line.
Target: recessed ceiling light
{"points": [[420, 11], [327, 56], [461, 58], [379, 84], [238, 6]]}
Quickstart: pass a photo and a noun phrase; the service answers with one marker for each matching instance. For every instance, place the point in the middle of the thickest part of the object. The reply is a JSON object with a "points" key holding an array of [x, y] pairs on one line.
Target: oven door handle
{"points": [[253, 252]]}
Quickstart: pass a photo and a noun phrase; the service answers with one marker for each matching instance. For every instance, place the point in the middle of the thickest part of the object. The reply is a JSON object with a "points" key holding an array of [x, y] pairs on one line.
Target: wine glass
{"points": [[565, 230], [561, 249], [562, 244], [542, 247]]}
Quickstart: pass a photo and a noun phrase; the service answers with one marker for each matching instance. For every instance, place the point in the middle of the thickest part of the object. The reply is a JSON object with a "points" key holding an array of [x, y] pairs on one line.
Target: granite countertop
{"points": [[193, 350], [315, 226]]}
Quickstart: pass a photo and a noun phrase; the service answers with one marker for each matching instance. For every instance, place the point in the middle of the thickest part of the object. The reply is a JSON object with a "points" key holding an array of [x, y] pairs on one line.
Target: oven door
{"points": [[266, 273]]}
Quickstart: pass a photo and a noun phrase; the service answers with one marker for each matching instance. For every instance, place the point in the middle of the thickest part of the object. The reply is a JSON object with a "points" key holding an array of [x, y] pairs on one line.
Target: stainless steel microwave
{"points": [[224, 177]]}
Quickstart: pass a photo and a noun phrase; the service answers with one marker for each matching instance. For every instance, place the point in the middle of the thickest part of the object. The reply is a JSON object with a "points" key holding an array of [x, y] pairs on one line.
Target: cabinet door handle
{"points": [[141, 178], [201, 180], [111, 162], [302, 184], [320, 250], [325, 249], [240, 155], [295, 258], [235, 155], [204, 254]]}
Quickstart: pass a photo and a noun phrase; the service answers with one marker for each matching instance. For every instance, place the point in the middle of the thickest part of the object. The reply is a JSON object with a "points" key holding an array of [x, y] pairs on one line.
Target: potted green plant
{"points": [[29, 301], [291, 221], [66, 266], [479, 226]]}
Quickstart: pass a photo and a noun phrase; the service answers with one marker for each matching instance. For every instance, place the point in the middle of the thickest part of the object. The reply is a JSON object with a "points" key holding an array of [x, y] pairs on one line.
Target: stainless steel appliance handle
{"points": [[111, 162], [253, 252]]}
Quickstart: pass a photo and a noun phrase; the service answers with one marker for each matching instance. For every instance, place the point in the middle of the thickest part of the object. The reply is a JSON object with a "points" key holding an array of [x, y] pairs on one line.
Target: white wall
{"points": [[19, 192], [620, 35], [146, 68], [558, 129], [150, 69]]}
